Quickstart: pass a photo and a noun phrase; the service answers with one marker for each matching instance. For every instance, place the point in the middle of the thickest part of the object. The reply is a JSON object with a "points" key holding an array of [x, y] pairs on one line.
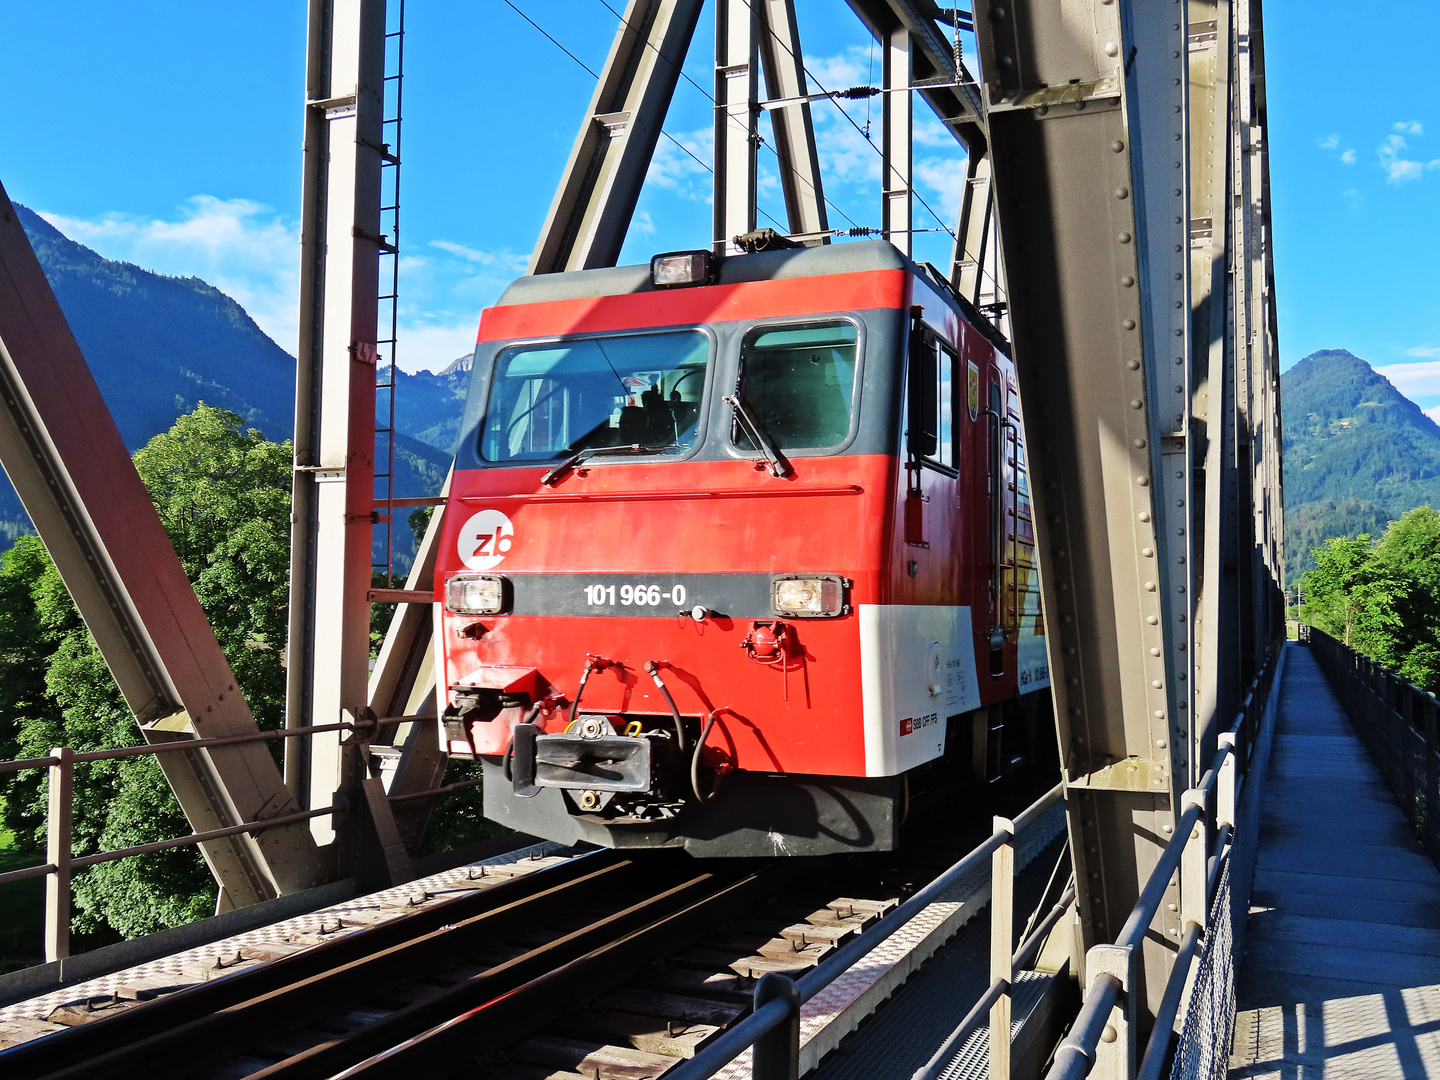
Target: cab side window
{"points": [[930, 399]]}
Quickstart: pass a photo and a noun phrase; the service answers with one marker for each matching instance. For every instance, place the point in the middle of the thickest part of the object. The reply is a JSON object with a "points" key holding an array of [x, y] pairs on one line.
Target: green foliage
{"points": [[223, 495], [1382, 597]]}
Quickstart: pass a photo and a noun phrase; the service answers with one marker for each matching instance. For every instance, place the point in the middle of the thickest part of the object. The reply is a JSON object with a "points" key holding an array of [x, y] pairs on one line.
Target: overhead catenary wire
{"points": [[595, 75], [680, 70]]}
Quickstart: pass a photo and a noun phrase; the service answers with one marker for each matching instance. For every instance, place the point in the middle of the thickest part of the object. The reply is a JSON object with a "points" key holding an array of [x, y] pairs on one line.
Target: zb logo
{"points": [[485, 539]]}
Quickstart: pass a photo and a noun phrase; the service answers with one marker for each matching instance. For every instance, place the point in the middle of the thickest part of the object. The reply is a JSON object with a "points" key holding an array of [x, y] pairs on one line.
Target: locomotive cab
{"points": [[732, 548]]}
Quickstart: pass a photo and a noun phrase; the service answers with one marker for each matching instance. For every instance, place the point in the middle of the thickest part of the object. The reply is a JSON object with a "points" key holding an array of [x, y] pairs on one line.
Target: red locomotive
{"points": [[737, 552]]}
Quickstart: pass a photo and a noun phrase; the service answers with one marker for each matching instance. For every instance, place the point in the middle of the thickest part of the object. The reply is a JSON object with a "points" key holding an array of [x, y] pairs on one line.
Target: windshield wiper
{"points": [[777, 465], [553, 477]]}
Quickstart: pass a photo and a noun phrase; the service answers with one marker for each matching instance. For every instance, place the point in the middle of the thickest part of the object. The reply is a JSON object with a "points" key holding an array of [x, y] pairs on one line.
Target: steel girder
{"points": [[334, 509], [75, 478], [596, 198], [794, 129], [737, 142], [1103, 172], [897, 129]]}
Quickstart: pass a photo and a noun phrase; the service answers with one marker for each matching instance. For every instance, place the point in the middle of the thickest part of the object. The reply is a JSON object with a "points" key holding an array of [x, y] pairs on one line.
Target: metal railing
{"points": [[773, 1028], [1397, 721], [60, 861], [1102, 1035]]}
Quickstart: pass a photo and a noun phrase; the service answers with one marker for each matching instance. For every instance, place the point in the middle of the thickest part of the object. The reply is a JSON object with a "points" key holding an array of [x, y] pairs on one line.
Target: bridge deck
{"points": [[1341, 972]]}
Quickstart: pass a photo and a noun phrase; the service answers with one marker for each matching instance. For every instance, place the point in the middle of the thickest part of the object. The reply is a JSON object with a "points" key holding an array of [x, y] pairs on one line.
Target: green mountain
{"points": [[1358, 453], [158, 346]]}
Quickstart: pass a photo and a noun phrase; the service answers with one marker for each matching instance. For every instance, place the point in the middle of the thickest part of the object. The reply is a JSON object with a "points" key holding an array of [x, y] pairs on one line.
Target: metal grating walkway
{"points": [[1341, 971]]}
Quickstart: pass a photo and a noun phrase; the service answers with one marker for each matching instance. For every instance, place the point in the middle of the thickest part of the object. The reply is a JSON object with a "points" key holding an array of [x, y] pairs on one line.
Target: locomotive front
{"points": [[668, 551]]}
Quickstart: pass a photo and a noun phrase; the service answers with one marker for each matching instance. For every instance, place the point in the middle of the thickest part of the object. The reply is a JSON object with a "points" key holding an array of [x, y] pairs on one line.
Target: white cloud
{"points": [[1348, 157], [1424, 351], [1415, 380], [1399, 169], [684, 171], [1434, 414], [434, 345], [1411, 127], [1330, 142], [946, 177], [245, 249], [1352, 197]]}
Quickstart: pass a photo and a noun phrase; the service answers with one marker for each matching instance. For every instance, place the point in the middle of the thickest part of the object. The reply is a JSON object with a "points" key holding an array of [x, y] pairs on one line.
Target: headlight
{"points": [[475, 594], [810, 596], [681, 268]]}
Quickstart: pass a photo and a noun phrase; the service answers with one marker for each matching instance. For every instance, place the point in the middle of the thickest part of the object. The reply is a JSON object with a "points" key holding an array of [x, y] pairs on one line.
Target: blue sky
{"points": [[168, 133]]}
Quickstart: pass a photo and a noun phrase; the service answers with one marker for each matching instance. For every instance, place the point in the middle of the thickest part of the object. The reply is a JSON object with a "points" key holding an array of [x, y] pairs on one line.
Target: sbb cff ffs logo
{"points": [[912, 724]]}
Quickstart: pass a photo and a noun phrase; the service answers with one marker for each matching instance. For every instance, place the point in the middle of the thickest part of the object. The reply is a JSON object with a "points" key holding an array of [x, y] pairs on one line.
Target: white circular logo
{"points": [[485, 539]]}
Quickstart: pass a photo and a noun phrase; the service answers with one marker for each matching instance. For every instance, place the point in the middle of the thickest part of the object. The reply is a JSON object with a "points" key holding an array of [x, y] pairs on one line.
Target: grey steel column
{"points": [[736, 142], [1087, 130], [75, 478], [329, 643], [1212, 361], [596, 198], [799, 161], [972, 235], [897, 121]]}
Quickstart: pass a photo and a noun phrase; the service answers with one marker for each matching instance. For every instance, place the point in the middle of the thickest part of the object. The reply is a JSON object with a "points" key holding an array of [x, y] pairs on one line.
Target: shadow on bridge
{"points": [[1341, 972]]}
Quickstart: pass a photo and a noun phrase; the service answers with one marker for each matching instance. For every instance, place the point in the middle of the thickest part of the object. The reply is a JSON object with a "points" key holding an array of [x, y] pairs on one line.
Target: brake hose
{"points": [[695, 762], [653, 670]]}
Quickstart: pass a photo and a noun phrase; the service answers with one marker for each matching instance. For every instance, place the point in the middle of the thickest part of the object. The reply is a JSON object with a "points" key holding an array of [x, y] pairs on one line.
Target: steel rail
{"points": [[164, 1016], [515, 1014]]}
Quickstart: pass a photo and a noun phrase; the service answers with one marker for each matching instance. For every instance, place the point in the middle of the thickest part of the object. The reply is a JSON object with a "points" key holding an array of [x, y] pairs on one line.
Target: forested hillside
{"points": [[158, 346], [1358, 453]]}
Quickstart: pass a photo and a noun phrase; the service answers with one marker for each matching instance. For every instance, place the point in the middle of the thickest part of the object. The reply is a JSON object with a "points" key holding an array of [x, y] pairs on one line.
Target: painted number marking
{"points": [[633, 595]]}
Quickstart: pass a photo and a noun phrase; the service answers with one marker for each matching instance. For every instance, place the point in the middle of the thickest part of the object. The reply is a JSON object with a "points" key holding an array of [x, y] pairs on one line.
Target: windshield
{"points": [[798, 383], [552, 400]]}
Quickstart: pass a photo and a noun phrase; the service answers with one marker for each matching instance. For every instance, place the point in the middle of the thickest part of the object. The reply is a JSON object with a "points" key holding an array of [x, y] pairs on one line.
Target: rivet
{"points": [[1128, 281], [1152, 620], [1133, 365], [1147, 552], [1123, 237], [1154, 652], [1156, 683], [1143, 481], [1149, 586], [1111, 49], [1108, 1035], [1122, 193], [1136, 403], [1179, 333], [1159, 714], [1139, 444], [1168, 829], [1161, 743], [1127, 324], [1006, 62], [1117, 146]]}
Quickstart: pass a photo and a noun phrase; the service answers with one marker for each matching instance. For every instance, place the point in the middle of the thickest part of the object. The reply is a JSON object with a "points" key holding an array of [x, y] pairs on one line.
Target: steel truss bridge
{"points": [[1114, 222]]}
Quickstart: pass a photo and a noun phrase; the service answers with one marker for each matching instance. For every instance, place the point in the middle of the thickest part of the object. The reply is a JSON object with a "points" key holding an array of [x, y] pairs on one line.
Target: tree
{"points": [[223, 494], [1382, 597]]}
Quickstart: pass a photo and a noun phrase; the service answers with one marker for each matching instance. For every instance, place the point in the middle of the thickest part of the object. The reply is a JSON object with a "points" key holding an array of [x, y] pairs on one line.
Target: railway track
{"points": [[602, 966]]}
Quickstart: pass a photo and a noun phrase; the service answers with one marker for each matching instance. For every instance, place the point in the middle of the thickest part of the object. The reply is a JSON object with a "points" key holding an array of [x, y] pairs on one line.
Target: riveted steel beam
{"points": [[897, 129], [737, 56], [333, 510], [794, 130], [74, 476], [596, 198], [958, 108]]}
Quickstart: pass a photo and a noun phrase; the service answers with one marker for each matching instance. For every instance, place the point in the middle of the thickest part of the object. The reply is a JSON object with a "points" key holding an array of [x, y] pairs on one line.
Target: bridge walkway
{"points": [[1341, 971]]}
